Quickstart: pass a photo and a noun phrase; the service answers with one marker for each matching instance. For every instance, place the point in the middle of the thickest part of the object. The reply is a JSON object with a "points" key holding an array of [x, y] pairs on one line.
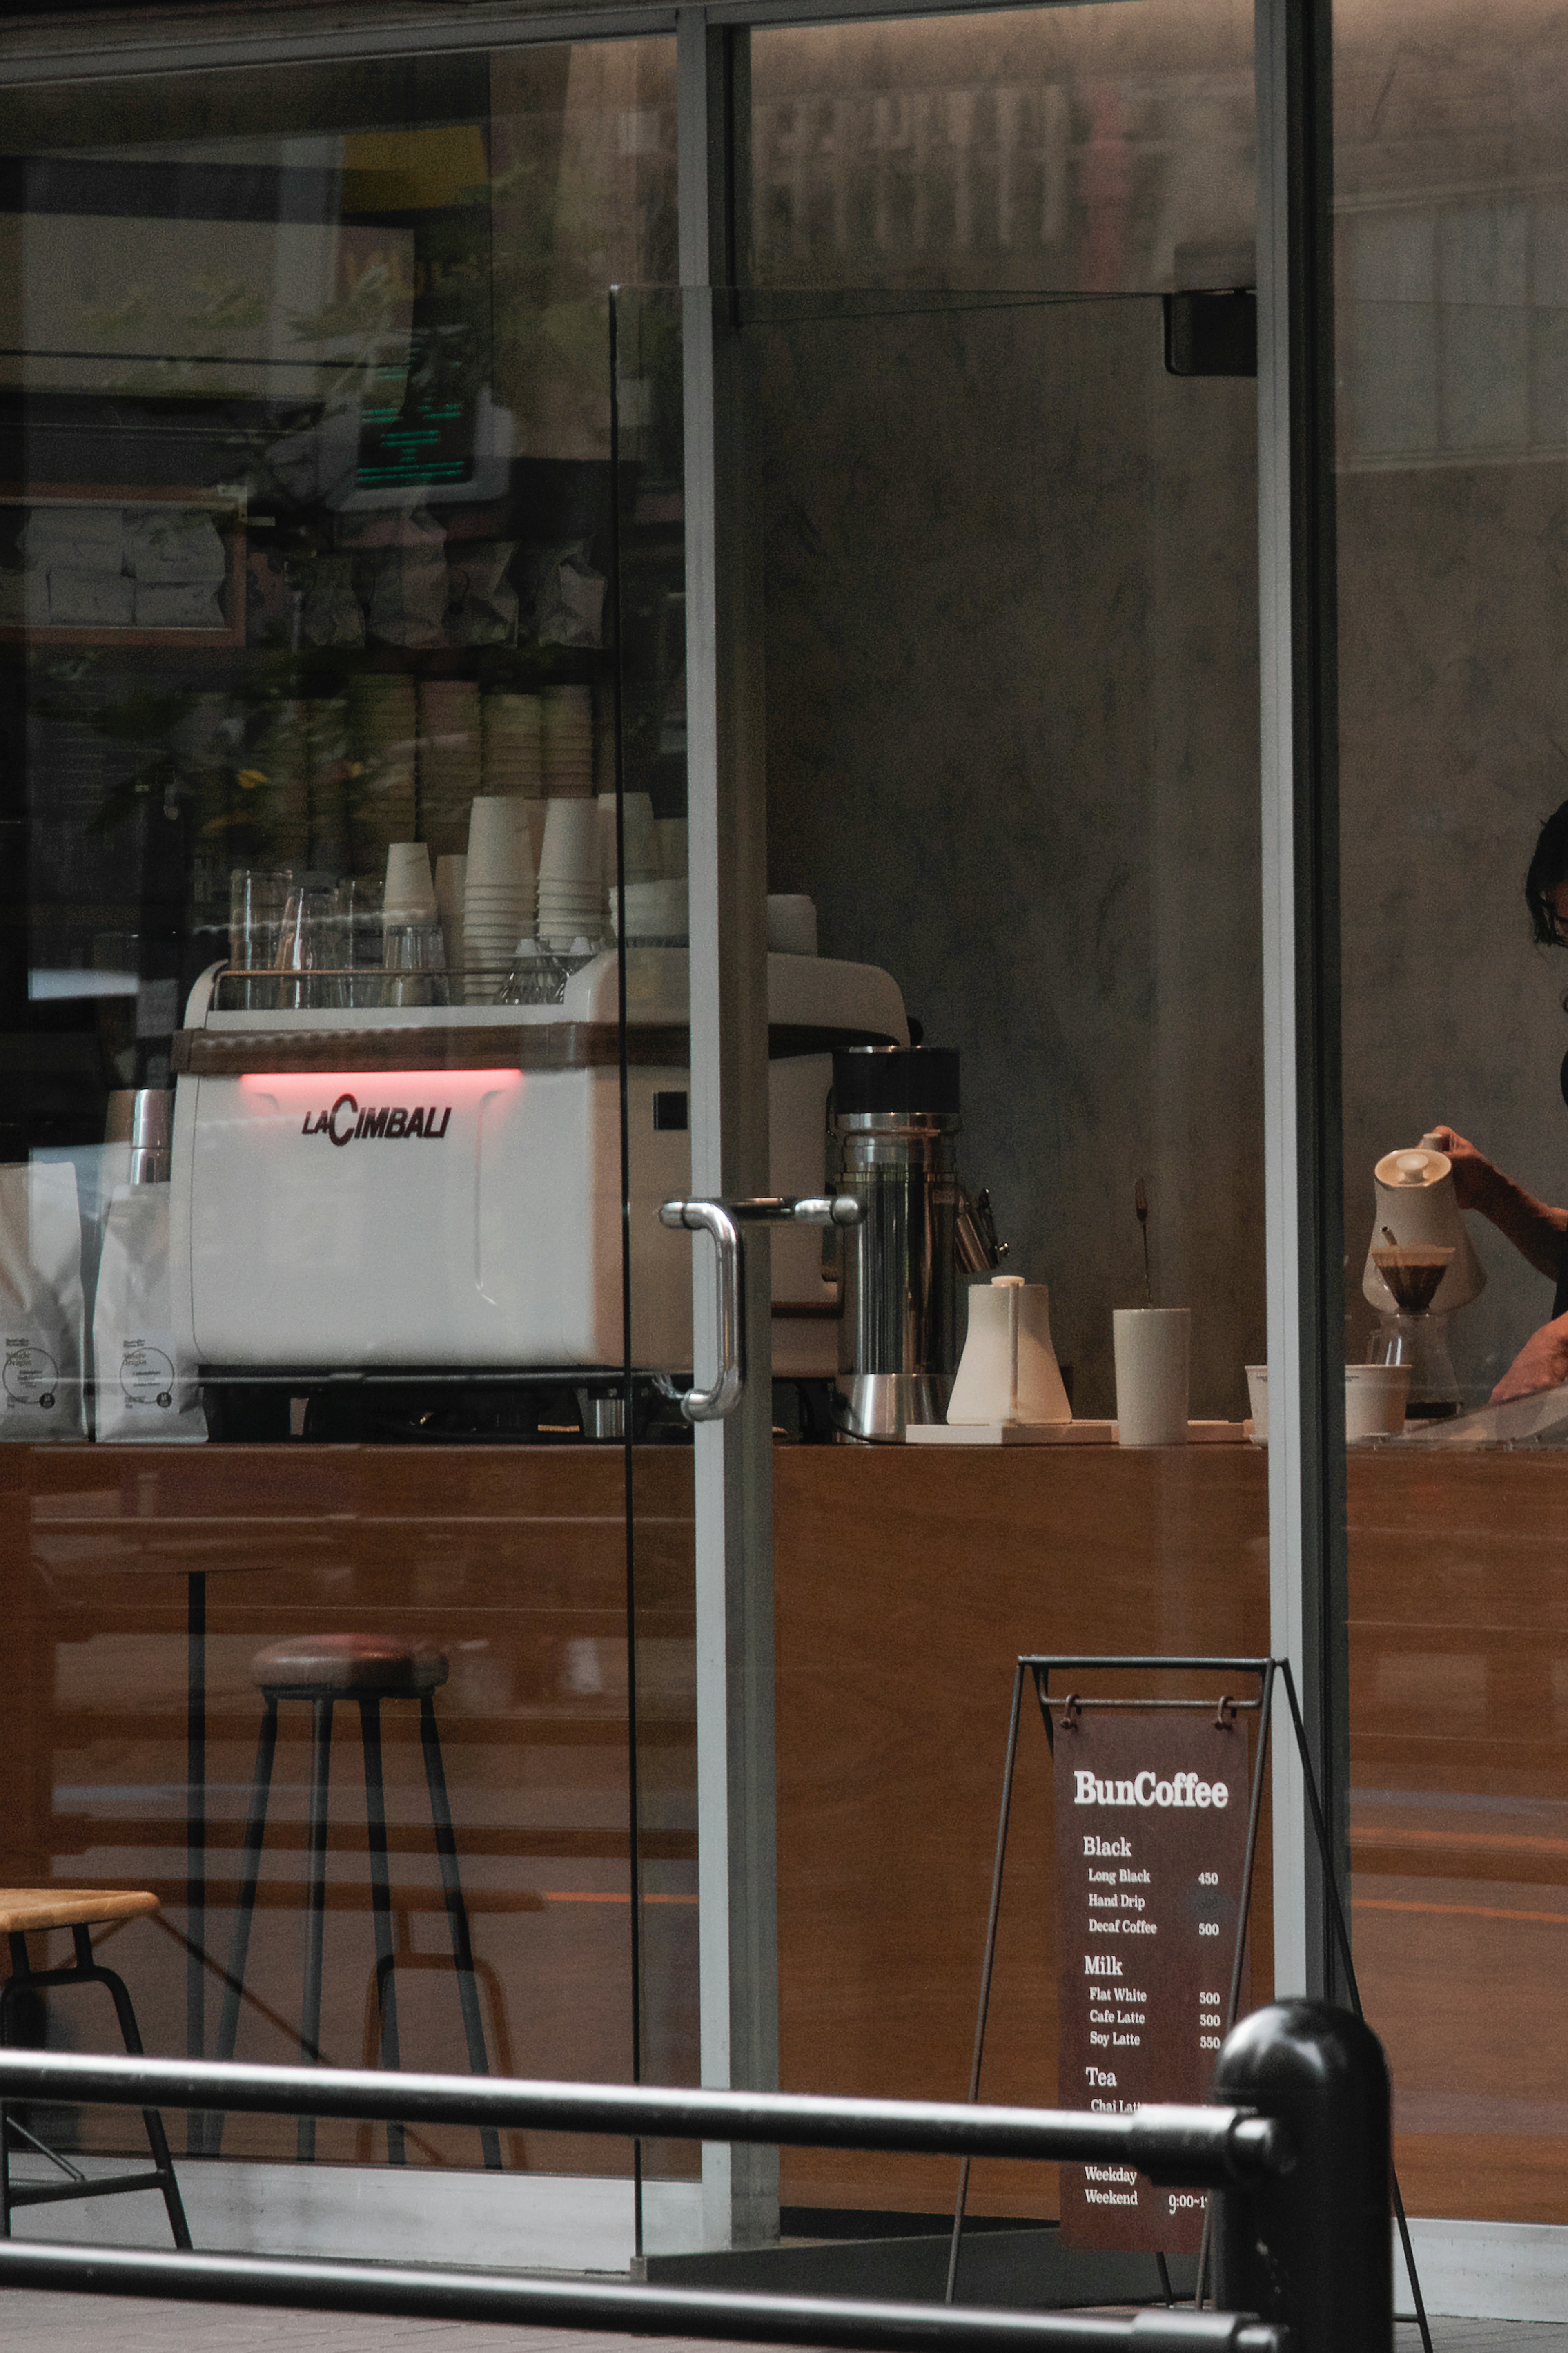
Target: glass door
{"points": [[311, 1005], [972, 551]]}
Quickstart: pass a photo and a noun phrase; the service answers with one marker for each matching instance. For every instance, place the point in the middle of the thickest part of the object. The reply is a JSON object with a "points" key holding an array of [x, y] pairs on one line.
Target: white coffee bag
{"points": [[145, 1388], [41, 1390]]}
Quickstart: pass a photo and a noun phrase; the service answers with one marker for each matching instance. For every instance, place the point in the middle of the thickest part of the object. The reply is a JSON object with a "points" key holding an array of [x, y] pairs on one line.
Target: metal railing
{"points": [[1240, 2153]]}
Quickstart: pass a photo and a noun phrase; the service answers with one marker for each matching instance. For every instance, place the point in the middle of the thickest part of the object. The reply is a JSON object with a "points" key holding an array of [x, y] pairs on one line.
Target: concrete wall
{"points": [[1013, 754]]}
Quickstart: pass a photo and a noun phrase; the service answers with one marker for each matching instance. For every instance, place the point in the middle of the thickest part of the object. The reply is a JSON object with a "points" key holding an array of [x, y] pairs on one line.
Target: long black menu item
{"points": [[1151, 1819]]}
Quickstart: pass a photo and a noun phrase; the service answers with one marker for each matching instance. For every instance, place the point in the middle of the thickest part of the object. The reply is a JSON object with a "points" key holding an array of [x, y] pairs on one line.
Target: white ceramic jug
{"points": [[1415, 1202], [1008, 1371]]}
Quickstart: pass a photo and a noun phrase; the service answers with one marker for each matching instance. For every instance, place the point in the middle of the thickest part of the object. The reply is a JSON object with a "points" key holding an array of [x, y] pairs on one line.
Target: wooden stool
{"points": [[366, 1668], [78, 1909]]}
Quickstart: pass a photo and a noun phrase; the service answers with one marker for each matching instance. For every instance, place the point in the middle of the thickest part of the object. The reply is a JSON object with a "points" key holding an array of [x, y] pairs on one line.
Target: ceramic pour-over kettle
{"points": [[1415, 1202]]}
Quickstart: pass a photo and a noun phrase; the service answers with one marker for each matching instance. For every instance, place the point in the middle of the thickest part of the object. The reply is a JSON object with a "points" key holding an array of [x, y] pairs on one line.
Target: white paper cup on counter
{"points": [[1257, 1402], [1375, 1400], [1153, 1348]]}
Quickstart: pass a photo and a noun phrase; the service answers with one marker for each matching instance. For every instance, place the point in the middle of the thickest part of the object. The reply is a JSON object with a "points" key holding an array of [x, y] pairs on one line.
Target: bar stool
{"points": [[79, 1910], [367, 1669]]}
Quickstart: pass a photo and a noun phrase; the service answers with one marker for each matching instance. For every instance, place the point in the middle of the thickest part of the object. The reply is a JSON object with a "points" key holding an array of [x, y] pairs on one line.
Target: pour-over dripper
{"points": [[1413, 1274]]}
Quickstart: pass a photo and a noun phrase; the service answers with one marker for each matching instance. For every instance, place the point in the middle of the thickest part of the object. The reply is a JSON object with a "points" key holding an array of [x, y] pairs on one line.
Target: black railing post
{"points": [[1313, 2248]]}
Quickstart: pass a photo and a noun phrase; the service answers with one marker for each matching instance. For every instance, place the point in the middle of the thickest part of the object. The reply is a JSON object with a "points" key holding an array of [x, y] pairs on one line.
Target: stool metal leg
{"points": [[315, 1905], [157, 2139], [456, 1911], [381, 1904], [250, 1870], [21, 1974], [85, 1971]]}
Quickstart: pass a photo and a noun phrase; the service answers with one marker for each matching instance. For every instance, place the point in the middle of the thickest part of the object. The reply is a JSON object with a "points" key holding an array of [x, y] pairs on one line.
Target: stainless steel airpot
{"points": [[893, 1126]]}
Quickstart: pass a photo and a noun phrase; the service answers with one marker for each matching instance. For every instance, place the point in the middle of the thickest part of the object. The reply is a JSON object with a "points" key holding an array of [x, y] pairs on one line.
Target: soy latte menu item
{"points": [[1151, 1820]]}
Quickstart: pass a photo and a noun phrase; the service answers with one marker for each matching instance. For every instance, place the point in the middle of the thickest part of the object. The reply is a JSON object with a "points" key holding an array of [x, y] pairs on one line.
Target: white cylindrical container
{"points": [[1375, 1400], [1153, 1354]]}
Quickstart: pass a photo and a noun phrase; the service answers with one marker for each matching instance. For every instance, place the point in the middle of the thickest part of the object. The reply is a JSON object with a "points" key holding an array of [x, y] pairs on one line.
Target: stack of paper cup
{"points": [[656, 912], [513, 754], [384, 721], [571, 892], [451, 881], [567, 742], [410, 893], [449, 759], [642, 846], [498, 893]]}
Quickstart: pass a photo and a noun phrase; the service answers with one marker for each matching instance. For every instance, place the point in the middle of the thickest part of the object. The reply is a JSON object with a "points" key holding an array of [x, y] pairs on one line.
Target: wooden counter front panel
{"points": [[513, 1561], [907, 1582], [1459, 1818]]}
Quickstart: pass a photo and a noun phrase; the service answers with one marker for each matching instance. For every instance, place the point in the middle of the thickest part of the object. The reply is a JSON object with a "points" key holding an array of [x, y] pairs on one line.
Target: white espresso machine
{"points": [[414, 1188]]}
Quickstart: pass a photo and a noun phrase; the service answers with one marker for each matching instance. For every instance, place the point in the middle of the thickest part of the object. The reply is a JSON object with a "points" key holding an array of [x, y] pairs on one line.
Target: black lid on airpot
{"points": [[908, 1081]]}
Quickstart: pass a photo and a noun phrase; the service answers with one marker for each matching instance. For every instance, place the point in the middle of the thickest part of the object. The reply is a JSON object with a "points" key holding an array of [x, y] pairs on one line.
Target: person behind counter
{"points": [[1537, 1231]]}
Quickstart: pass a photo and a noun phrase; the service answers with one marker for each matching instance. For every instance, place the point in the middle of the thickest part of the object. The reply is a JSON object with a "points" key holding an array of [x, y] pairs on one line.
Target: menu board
{"points": [[1150, 1812]]}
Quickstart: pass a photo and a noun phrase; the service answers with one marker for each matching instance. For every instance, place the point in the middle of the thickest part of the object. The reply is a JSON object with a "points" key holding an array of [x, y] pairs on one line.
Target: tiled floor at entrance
{"points": [[84, 2324]]}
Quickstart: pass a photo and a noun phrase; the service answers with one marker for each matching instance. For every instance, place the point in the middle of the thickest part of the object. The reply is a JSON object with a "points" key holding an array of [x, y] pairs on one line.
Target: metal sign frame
{"points": [[1267, 1671]]}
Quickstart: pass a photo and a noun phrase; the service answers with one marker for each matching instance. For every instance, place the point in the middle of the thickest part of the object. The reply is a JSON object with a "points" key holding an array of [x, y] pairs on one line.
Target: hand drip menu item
{"points": [[1151, 1819]]}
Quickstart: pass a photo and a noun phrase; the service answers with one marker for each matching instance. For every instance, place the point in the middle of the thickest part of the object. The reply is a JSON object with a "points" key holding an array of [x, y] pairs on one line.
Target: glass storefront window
{"points": [[1450, 226], [308, 595]]}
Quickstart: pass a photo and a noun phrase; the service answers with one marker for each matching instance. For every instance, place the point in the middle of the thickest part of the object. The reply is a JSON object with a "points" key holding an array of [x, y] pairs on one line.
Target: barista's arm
{"points": [[1541, 1363], [1536, 1231]]}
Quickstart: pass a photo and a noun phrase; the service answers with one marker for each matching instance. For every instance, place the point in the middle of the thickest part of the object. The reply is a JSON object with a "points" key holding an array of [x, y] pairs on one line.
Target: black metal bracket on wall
{"points": [[1266, 1672]]}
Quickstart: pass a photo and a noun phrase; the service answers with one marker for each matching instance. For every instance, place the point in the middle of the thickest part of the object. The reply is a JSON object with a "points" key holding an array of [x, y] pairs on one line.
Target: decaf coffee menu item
{"points": [[1151, 1820]]}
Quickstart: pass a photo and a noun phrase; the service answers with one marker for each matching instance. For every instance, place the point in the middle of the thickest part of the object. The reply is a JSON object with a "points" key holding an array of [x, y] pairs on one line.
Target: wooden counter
{"points": [[906, 1582]]}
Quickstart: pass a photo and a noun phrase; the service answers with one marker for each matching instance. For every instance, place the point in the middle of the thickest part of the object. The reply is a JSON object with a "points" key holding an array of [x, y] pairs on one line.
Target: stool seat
{"points": [[348, 1666], [23, 1909]]}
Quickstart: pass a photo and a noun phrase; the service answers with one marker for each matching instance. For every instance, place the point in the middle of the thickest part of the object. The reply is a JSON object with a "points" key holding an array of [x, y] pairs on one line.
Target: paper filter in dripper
{"points": [[1412, 1276]]}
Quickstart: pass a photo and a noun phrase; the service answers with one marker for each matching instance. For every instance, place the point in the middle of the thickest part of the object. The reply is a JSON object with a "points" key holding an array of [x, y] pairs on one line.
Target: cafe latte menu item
{"points": [[1151, 1818]]}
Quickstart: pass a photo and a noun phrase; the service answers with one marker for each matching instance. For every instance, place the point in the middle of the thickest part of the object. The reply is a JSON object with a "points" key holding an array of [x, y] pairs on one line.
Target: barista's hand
{"points": [[1475, 1179], [1541, 1363]]}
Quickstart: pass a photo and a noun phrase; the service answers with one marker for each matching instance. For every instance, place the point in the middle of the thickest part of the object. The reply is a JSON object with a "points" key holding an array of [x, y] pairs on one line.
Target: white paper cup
{"points": [[1257, 1400], [1153, 1350], [570, 854], [500, 846], [410, 893], [642, 853], [1375, 1400]]}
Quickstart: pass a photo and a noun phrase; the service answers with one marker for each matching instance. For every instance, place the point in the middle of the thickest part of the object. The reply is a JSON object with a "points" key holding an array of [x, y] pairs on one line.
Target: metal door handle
{"points": [[723, 1220]]}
